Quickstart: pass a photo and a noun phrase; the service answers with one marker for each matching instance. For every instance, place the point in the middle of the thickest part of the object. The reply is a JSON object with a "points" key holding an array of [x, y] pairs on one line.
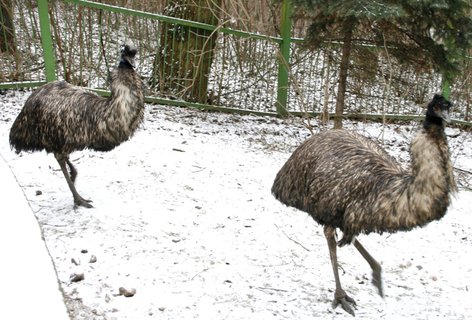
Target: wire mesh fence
{"points": [[88, 41], [210, 66], [21, 54], [244, 74], [386, 87]]}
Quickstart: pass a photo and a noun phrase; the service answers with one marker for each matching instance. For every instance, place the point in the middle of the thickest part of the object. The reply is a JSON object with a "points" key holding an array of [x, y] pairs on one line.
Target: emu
{"points": [[347, 182], [61, 118]]}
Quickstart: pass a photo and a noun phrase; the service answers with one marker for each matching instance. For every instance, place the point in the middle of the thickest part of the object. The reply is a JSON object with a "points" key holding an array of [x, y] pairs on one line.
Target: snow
{"points": [[183, 214]]}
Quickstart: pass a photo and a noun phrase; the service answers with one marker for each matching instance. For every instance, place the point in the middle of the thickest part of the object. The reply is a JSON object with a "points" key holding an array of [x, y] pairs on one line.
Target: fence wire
{"points": [[386, 87], [21, 57]]}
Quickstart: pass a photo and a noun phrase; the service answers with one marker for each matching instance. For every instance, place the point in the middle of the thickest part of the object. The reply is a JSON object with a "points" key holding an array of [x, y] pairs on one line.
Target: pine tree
{"points": [[436, 31], [428, 34]]}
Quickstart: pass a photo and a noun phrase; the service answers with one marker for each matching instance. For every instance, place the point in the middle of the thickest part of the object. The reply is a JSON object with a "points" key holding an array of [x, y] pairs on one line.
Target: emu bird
{"points": [[347, 182], [61, 118]]}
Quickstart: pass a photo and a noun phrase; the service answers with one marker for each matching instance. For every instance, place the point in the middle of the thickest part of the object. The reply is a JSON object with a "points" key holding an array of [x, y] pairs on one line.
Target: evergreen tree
{"points": [[438, 32], [429, 34]]}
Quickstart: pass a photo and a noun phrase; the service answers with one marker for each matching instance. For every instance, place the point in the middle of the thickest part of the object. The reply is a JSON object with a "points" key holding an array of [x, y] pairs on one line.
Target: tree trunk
{"points": [[326, 87], [348, 27], [182, 64], [7, 29]]}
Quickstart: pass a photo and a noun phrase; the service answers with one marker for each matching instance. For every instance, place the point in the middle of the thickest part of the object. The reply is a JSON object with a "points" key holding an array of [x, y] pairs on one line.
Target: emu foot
{"points": [[346, 302], [82, 202], [377, 280]]}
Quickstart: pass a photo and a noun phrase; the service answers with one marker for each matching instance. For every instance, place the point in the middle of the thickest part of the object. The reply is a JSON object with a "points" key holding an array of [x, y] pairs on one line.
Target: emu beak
{"points": [[131, 62], [445, 116]]}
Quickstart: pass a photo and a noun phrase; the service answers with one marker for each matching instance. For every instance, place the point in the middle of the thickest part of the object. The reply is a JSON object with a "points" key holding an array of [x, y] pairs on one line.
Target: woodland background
{"points": [[214, 68]]}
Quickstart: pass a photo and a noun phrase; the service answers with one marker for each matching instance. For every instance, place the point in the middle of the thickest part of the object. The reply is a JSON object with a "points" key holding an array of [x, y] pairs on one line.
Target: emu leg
{"points": [[78, 200], [375, 266], [340, 296], [72, 170]]}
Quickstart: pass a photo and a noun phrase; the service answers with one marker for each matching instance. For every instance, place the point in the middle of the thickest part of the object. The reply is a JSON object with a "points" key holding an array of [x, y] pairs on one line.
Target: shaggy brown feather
{"points": [[346, 181], [61, 118]]}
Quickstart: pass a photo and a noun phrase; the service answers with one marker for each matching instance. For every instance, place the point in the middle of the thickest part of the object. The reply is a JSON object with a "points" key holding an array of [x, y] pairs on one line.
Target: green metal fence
{"points": [[245, 72]]}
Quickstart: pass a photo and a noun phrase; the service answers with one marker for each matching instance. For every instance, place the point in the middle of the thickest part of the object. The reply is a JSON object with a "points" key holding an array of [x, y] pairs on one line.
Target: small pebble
{"points": [[127, 293], [93, 259], [76, 277]]}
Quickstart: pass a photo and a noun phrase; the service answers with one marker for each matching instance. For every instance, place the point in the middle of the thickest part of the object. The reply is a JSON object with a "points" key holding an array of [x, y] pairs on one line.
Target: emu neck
{"points": [[408, 199], [124, 110], [126, 90], [427, 195]]}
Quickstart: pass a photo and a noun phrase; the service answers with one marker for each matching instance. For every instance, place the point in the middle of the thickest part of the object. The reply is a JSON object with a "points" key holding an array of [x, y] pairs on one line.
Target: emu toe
{"points": [[346, 302], [82, 202]]}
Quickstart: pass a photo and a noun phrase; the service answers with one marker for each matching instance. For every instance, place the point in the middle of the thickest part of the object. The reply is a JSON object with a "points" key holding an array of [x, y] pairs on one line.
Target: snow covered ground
{"points": [[183, 214]]}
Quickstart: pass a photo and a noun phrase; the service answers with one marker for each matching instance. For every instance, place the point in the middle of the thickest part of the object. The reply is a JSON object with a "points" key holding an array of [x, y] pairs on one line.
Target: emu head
{"points": [[128, 52], [438, 109]]}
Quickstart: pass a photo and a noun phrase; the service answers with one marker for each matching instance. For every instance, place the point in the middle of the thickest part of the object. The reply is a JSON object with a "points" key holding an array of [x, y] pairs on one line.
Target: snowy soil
{"points": [[183, 214]]}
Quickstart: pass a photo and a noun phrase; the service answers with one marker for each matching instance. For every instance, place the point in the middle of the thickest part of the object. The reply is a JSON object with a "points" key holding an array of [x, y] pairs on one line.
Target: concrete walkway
{"points": [[29, 288]]}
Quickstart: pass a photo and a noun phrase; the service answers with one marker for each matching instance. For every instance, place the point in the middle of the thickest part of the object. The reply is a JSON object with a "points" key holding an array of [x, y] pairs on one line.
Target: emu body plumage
{"points": [[345, 181], [61, 118]]}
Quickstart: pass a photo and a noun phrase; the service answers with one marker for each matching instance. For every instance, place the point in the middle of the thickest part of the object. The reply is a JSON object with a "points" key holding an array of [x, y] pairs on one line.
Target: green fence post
{"points": [[284, 59], [46, 41]]}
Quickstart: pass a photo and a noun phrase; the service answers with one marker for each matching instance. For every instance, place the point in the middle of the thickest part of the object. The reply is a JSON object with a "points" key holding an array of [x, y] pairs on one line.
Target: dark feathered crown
{"points": [[440, 100], [438, 110], [128, 50]]}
